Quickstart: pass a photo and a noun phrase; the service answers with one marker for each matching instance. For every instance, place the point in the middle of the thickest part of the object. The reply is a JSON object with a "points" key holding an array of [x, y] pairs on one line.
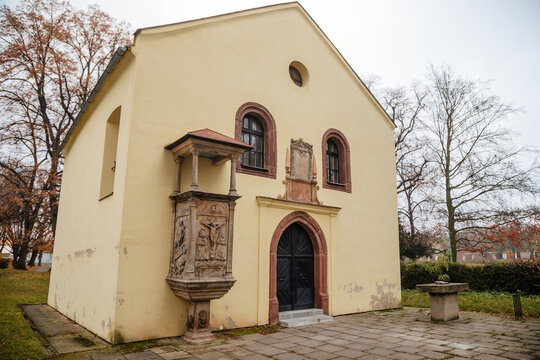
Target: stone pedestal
{"points": [[443, 299]]}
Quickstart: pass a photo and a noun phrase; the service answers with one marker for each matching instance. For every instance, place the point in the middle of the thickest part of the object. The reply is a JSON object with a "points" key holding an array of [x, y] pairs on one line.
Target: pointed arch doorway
{"points": [[300, 280]]}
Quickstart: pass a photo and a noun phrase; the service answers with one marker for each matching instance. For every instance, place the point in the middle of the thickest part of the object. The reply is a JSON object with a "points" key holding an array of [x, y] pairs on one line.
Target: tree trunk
{"points": [[40, 256], [32, 261], [19, 257]]}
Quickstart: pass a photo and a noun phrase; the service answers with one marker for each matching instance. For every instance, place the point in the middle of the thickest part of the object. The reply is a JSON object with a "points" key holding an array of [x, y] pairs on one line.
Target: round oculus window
{"points": [[296, 77]]}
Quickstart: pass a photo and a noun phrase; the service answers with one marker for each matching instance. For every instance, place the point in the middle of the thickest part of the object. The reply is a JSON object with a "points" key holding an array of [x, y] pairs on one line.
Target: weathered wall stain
{"points": [[229, 323], [352, 287], [385, 297]]}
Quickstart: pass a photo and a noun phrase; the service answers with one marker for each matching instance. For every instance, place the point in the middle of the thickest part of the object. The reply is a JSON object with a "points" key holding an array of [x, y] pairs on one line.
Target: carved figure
{"points": [[190, 322], [202, 246], [213, 225], [221, 251], [179, 249], [203, 319]]}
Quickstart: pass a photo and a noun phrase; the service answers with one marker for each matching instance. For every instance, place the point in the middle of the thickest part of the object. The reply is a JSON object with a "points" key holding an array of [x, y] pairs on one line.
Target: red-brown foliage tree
{"points": [[51, 56], [517, 234]]}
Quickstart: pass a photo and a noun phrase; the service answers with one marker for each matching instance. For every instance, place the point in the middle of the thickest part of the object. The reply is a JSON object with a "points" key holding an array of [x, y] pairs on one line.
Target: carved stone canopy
{"points": [[209, 144]]}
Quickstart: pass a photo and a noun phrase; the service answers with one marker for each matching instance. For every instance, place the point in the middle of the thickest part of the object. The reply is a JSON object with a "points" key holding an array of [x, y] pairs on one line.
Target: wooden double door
{"points": [[295, 286]]}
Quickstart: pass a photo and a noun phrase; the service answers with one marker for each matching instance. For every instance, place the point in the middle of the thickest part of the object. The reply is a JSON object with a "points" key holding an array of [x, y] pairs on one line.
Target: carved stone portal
{"points": [[202, 238], [300, 173]]}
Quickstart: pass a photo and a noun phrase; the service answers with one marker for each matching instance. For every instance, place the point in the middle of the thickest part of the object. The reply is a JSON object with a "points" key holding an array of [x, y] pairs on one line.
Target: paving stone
{"points": [[402, 356], [162, 349], [255, 357], [519, 356], [338, 342], [432, 347], [330, 348], [321, 355], [269, 351], [285, 345], [268, 340], [491, 351], [463, 353], [380, 351], [302, 350], [142, 356], [174, 355], [361, 347], [107, 357], [461, 346], [433, 355], [288, 356], [351, 353], [489, 357]]}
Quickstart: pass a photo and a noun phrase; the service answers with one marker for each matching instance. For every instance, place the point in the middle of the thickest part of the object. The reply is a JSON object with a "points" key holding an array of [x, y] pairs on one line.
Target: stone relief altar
{"points": [[202, 236], [300, 173]]}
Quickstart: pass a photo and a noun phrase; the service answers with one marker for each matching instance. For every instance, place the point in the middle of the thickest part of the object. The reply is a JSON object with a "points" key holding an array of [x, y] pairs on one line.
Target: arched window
{"points": [[108, 167], [253, 134], [254, 125], [332, 162], [336, 161]]}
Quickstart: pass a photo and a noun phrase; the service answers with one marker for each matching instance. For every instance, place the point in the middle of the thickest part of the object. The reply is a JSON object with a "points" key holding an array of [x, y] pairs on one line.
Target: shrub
{"points": [[4, 263], [510, 277], [444, 277]]}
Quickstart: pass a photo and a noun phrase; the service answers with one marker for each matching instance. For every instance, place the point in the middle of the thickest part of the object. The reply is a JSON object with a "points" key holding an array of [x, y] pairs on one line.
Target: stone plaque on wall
{"points": [[300, 173]]}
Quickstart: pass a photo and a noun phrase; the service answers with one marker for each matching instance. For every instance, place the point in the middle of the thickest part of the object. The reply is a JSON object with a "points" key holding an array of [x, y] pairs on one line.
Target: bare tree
{"points": [[51, 56], [479, 167]]}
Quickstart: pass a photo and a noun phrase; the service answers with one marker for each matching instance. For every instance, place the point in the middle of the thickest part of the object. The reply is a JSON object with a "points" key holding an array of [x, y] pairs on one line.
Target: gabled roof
{"points": [[162, 28]]}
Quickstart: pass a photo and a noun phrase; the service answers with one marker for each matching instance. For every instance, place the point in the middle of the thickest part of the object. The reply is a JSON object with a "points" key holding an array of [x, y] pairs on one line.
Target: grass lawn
{"points": [[17, 339], [492, 302]]}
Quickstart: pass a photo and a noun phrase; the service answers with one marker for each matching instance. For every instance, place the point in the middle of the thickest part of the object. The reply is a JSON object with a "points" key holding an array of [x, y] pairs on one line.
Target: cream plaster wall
{"points": [[196, 75], [84, 275]]}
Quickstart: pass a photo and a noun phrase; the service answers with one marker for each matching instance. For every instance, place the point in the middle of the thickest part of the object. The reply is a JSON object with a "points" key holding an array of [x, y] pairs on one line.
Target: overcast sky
{"points": [[395, 39]]}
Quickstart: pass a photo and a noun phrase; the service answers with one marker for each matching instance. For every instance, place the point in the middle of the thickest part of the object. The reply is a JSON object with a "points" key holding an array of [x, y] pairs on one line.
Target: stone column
{"points": [[232, 188], [178, 173], [195, 171]]}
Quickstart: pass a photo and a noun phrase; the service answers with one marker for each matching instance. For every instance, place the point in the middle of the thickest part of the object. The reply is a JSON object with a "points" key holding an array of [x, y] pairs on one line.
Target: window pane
{"points": [[245, 122], [256, 125]]}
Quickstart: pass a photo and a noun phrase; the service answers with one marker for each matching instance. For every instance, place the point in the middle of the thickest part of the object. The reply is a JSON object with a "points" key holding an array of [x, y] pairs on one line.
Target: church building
{"points": [[226, 172]]}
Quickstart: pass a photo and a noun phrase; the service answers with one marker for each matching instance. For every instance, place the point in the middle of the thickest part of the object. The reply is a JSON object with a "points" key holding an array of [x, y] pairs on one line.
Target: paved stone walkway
{"points": [[402, 334]]}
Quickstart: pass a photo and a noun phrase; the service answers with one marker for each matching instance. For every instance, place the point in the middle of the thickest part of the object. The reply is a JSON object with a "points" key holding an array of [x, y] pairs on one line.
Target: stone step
{"points": [[302, 317], [284, 315], [307, 320]]}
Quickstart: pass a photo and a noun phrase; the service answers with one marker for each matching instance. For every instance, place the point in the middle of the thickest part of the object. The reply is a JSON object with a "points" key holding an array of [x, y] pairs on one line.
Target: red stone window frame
{"points": [[344, 161], [270, 146]]}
